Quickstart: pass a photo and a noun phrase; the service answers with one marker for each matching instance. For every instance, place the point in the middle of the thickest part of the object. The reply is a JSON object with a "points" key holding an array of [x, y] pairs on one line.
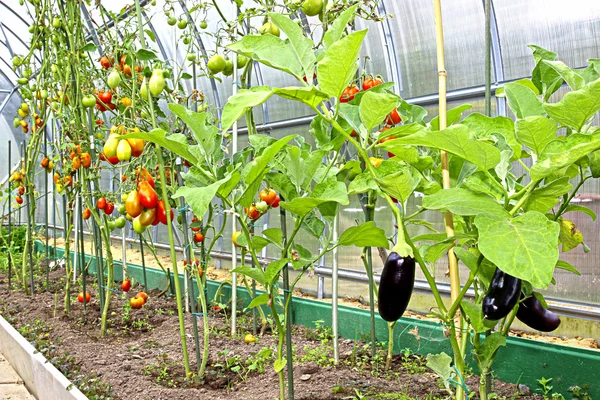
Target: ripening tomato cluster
{"points": [[138, 300], [142, 205], [196, 228], [116, 150], [79, 158], [268, 199], [195, 263], [47, 164], [368, 83]]}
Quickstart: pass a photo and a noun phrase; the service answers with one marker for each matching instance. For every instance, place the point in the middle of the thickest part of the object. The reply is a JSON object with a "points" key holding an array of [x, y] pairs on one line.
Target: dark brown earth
{"points": [[141, 358]]}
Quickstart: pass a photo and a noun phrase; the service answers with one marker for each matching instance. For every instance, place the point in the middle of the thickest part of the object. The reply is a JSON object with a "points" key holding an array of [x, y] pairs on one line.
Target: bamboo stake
{"points": [[233, 220], [448, 218]]}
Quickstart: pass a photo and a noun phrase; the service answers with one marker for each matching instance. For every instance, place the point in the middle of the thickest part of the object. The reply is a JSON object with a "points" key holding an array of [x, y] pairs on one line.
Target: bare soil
{"points": [[141, 357]]}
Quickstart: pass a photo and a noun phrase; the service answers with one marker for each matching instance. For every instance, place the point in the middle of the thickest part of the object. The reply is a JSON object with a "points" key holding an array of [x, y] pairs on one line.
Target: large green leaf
{"points": [[176, 143], [337, 68], [272, 270], [199, 198], [199, 124], [561, 153], [328, 191], [573, 79], [577, 107], [525, 247], [311, 96], [271, 51], [254, 172], [301, 45], [522, 100], [458, 140], [237, 105], [452, 116], [536, 132], [475, 314], [463, 202], [255, 273], [365, 235], [374, 107], [484, 127], [335, 31], [544, 198], [488, 348], [396, 180]]}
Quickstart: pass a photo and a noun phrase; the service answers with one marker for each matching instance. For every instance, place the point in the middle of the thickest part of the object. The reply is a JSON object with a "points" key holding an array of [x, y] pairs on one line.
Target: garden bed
{"points": [[141, 356]]}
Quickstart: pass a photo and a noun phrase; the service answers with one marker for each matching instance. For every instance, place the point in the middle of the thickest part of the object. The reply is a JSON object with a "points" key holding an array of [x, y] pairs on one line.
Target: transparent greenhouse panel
{"points": [[570, 29], [413, 33]]}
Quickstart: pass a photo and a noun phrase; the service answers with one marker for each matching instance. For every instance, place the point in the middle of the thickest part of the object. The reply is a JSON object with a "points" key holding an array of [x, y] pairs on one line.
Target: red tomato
{"points": [[106, 62], [105, 96], [110, 207], [113, 160], [370, 82], [393, 118], [252, 212], [161, 212], [86, 214], [195, 228], [86, 160], [147, 195], [126, 285], [19, 200], [144, 175], [349, 93], [143, 296], [276, 202], [88, 297], [268, 196], [101, 203], [198, 237], [136, 303]]}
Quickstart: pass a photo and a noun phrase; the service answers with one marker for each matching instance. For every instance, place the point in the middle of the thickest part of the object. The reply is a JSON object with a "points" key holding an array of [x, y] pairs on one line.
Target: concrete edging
{"points": [[41, 378]]}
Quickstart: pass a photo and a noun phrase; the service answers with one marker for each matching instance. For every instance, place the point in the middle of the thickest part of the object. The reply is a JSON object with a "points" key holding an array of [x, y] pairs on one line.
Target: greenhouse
{"points": [[308, 199]]}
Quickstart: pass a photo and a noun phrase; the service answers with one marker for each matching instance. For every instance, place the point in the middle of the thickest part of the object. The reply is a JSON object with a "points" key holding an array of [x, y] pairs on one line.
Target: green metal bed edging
{"points": [[521, 361]]}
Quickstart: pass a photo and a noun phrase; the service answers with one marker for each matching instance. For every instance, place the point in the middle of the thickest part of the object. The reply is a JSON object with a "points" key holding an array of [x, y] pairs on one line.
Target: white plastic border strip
{"points": [[41, 378]]}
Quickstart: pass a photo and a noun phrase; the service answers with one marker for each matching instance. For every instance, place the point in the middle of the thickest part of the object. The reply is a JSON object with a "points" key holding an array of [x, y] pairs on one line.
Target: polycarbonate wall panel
{"points": [[413, 31], [569, 28]]}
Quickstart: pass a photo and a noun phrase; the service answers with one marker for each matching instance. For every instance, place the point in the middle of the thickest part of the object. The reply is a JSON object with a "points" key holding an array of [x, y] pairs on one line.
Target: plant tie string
{"points": [[462, 382]]}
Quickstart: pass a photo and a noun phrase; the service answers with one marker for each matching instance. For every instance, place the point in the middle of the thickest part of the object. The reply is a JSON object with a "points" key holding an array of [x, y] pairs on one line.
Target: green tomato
{"points": [[228, 69], [111, 225], [262, 206], [172, 21], [269, 28], [144, 91], [312, 7], [114, 79], [182, 24], [22, 81], [241, 61], [203, 24], [122, 209], [191, 57], [16, 122], [17, 61], [27, 73], [123, 150], [120, 222], [153, 2], [156, 82], [137, 225], [88, 101], [56, 22], [187, 40], [216, 64]]}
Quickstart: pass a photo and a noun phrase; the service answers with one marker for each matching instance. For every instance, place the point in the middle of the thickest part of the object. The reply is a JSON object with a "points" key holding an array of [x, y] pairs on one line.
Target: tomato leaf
{"points": [[145, 55], [522, 100], [274, 235], [562, 153], [364, 235], [337, 28], [536, 132], [199, 198], [524, 247], [463, 202], [458, 140], [338, 66], [576, 108], [374, 107], [329, 191]]}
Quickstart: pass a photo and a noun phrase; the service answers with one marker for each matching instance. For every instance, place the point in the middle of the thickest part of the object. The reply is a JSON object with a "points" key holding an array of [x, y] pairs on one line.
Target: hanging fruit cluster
{"points": [[121, 150], [196, 228], [268, 199]]}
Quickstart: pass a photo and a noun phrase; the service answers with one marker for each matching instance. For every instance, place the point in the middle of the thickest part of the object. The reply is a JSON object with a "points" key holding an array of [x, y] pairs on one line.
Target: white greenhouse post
{"points": [[76, 248], [233, 223], [334, 293], [123, 244]]}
